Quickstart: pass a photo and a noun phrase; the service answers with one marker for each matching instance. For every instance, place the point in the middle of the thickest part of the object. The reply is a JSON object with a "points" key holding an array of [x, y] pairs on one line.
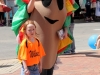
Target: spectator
{"points": [[71, 50], [88, 10], [1, 13]]}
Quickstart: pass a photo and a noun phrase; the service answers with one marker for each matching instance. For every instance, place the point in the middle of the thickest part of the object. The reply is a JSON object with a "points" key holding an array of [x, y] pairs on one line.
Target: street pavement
{"points": [[85, 62]]}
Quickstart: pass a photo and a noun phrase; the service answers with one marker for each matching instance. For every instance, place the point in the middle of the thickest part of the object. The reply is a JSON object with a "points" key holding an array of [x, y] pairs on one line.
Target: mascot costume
{"points": [[49, 17]]}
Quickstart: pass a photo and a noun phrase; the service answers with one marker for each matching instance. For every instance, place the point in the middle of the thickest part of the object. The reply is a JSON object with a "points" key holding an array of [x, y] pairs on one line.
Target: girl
{"points": [[88, 10], [31, 51]]}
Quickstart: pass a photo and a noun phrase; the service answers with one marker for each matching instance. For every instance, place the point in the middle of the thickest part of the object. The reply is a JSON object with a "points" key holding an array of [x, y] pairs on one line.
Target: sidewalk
{"points": [[9, 67], [82, 63]]}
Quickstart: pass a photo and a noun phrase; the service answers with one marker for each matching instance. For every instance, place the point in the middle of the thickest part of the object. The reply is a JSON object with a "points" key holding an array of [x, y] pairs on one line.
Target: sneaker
{"points": [[67, 53], [72, 52]]}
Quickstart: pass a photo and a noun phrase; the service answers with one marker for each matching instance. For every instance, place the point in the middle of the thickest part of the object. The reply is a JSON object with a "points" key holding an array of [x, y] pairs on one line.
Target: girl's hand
{"points": [[27, 72], [40, 66], [30, 6], [40, 69]]}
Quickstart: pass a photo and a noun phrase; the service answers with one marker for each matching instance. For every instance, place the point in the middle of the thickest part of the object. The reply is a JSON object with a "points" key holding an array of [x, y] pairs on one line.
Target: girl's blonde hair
{"points": [[27, 23]]}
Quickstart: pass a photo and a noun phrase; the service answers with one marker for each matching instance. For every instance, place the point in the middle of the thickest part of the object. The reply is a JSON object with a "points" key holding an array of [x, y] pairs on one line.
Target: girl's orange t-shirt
{"points": [[32, 53]]}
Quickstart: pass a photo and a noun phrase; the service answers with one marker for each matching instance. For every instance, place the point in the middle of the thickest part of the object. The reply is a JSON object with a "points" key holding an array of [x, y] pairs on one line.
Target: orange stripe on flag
{"points": [[64, 43]]}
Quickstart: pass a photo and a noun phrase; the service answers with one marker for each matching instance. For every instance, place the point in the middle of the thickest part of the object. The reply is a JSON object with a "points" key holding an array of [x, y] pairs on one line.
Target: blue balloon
{"points": [[92, 41]]}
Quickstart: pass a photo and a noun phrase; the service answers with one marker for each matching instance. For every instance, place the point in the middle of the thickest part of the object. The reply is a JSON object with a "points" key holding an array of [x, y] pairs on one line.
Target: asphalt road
{"points": [[82, 32]]}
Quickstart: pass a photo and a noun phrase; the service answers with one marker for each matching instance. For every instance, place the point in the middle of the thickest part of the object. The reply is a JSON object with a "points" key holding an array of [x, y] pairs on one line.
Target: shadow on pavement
{"points": [[90, 54], [93, 55], [81, 54], [78, 21], [3, 66]]}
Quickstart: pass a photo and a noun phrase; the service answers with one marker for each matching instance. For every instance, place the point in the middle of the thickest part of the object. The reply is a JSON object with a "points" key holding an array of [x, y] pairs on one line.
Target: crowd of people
{"points": [[91, 10], [88, 8]]}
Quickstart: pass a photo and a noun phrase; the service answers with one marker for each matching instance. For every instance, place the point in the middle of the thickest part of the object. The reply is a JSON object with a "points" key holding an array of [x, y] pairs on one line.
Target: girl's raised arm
{"points": [[30, 6]]}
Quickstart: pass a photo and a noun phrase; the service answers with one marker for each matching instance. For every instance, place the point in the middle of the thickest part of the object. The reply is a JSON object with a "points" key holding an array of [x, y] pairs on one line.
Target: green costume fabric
{"points": [[19, 17], [17, 48], [67, 21], [76, 6]]}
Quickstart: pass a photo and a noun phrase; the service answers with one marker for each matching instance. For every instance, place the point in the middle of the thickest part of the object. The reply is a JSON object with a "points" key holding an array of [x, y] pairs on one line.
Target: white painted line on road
{"points": [[96, 29]]}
